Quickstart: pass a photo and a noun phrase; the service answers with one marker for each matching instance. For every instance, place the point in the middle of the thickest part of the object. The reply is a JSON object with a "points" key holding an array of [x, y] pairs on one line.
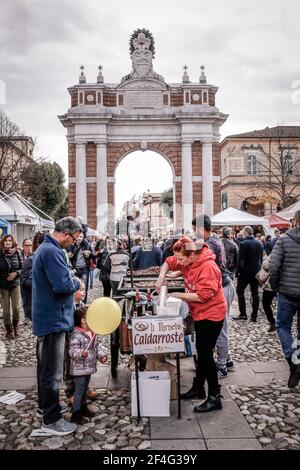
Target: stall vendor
{"points": [[204, 294]]}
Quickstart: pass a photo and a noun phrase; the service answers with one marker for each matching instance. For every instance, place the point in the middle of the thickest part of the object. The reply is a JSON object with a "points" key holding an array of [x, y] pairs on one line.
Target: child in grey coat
{"points": [[84, 350]]}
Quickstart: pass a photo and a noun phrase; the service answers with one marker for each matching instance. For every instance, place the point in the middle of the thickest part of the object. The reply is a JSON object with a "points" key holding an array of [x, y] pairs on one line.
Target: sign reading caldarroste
{"points": [[157, 335]]}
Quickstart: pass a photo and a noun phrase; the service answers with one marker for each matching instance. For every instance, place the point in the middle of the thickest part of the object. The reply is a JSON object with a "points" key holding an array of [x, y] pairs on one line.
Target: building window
{"points": [[288, 162], [120, 100], [99, 97], [187, 97], [204, 97], [80, 97], [251, 165], [166, 99]]}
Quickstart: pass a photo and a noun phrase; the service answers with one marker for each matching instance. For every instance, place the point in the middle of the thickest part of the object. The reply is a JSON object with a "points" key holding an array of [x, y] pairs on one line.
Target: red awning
{"points": [[277, 221]]}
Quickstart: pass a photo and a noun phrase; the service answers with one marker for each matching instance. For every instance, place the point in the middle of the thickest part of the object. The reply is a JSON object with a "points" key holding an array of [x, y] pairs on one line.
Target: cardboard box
{"points": [[154, 390]]}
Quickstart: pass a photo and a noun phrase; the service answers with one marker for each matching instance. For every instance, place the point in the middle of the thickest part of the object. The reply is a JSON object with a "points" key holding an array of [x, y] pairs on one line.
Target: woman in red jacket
{"points": [[204, 294]]}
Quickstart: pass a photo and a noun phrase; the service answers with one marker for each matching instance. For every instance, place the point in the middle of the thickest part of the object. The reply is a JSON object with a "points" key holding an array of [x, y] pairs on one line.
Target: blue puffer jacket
{"points": [[52, 290]]}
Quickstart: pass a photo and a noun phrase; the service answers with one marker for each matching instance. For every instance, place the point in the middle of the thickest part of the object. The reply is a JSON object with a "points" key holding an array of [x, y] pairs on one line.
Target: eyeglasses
{"points": [[72, 236]]}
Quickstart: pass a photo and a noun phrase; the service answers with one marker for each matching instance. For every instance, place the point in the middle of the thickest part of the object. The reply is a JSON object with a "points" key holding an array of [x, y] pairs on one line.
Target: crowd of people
{"points": [[52, 274]]}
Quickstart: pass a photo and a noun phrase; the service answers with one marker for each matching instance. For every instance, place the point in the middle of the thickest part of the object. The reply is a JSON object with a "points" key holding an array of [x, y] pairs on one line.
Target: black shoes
{"points": [[294, 377], [195, 393], [78, 418], [211, 404], [272, 328], [86, 412], [253, 319], [240, 317]]}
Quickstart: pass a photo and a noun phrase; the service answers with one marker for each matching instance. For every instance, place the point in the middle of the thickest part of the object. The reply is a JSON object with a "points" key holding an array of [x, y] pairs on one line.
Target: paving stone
{"points": [[175, 444], [226, 423], [233, 444], [186, 428]]}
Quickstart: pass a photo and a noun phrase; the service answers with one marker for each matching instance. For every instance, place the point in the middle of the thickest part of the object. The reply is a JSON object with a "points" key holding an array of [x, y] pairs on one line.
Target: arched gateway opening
{"points": [[140, 180], [107, 121]]}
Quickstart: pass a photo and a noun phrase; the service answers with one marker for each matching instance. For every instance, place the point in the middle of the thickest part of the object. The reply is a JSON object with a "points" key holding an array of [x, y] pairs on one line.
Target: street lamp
{"points": [[147, 199]]}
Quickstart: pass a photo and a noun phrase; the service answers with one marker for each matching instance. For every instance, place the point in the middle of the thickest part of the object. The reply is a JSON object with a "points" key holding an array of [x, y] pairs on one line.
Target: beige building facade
{"points": [[260, 170]]}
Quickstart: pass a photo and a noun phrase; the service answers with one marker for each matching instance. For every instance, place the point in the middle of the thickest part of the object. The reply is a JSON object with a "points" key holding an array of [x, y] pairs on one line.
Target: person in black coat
{"points": [[80, 255], [268, 246], [249, 264], [11, 263], [26, 276]]}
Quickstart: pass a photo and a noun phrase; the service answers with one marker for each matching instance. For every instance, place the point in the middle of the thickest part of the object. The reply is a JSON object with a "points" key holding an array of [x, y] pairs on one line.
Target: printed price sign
{"points": [[157, 335]]}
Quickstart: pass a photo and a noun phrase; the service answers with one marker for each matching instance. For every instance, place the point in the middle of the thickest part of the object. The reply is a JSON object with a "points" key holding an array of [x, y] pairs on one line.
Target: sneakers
{"points": [[294, 377], [222, 372], [230, 365], [39, 411], [59, 428]]}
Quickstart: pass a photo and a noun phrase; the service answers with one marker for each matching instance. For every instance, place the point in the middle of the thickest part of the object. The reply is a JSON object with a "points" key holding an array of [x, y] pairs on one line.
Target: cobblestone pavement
{"points": [[251, 341], [273, 413], [112, 428], [248, 341], [271, 410], [21, 352]]}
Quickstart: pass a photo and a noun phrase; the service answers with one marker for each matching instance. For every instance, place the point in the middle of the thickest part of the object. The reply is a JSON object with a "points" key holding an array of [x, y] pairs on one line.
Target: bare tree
{"points": [[278, 169], [14, 155]]}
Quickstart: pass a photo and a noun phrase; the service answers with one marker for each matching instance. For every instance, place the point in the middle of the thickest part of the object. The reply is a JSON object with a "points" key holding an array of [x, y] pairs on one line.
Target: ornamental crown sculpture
{"points": [[142, 50]]}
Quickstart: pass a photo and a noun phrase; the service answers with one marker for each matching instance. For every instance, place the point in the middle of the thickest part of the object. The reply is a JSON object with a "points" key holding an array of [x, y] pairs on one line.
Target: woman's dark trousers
{"points": [[207, 333]]}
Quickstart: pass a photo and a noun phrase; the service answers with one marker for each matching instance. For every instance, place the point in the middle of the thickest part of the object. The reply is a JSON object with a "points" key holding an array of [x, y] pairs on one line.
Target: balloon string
{"points": [[90, 342]]}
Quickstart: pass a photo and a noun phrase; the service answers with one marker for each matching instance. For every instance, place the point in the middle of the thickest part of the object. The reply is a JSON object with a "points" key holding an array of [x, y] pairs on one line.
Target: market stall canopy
{"points": [[6, 212], [92, 233], [236, 217], [23, 214], [41, 219], [288, 212], [276, 221]]}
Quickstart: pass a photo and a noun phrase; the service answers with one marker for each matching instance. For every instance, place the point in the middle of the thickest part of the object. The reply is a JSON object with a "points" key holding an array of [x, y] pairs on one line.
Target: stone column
{"points": [[187, 185], [81, 193], [102, 200], [207, 179]]}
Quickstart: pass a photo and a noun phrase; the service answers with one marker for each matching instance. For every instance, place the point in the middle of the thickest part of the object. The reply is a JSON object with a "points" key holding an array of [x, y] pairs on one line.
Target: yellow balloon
{"points": [[103, 316]]}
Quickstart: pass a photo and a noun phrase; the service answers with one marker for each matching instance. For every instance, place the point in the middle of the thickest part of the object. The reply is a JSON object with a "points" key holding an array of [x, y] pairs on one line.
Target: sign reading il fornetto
{"points": [[157, 335]]}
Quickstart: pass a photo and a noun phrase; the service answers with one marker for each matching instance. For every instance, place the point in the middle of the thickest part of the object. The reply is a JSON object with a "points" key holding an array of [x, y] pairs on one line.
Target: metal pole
{"points": [[137, 388], [178, 385], [130, 255]]}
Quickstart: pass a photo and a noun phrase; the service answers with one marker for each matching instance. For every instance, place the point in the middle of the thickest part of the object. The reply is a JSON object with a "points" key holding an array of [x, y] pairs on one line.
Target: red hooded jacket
{"points": [[204, 278]]}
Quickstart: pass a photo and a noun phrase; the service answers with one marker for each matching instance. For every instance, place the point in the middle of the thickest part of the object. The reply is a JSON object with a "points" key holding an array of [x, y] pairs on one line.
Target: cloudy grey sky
{"points": [[250, 50]]}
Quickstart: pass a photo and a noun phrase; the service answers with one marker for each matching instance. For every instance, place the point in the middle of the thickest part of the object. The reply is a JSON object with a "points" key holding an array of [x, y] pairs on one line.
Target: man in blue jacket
{"points": [[52, 317]]}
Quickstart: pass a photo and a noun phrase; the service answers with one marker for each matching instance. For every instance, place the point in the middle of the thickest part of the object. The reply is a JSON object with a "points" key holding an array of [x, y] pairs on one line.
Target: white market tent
{"points": [[6, 212], [288, 212], [92, 233], [24, 218], [235, 217]]}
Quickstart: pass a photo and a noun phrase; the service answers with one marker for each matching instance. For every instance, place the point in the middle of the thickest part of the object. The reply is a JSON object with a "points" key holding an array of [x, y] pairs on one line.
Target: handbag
{"points": [[262, 276]]}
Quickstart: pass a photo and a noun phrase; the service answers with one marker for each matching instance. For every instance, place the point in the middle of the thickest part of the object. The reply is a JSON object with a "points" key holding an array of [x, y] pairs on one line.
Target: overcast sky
{"points": [[250, 50]]}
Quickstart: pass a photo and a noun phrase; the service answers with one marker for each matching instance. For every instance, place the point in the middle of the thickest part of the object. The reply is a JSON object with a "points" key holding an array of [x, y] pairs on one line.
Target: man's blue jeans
{"points": [[50, 363], [287, 308]]}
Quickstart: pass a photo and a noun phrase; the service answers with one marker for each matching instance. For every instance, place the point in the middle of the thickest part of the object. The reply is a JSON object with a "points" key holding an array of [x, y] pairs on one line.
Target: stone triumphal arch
{"points": [[107, 121]]}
